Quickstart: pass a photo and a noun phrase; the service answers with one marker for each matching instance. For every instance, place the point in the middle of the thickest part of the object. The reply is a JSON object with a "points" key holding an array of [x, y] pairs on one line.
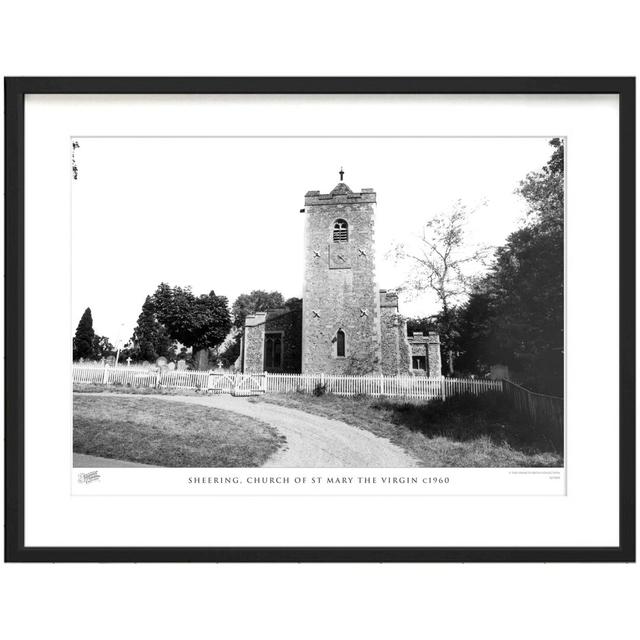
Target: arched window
{"points": [[340, 231], [340, 343], [272, 351]]}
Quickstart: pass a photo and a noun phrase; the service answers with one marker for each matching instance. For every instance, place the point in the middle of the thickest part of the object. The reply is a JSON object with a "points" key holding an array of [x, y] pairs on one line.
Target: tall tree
{"points": [[150, 338], [516, 313], [443, 262], [544, 191], [257, 300], [83, 340], [200, 322], [102, 348], [229, 349]]}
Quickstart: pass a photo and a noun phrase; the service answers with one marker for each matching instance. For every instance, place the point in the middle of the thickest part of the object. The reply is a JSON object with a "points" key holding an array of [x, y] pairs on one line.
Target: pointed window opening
{"points": [[340, 343], [273, 351], [340, 231]]}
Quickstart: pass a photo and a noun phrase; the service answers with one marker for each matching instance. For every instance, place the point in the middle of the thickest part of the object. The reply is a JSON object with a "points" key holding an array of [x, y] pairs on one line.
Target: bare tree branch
{"points": [[441, 259]]}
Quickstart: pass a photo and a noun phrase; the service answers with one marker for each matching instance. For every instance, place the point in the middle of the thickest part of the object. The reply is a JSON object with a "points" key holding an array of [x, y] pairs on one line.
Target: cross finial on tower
{"points": [[341, 172]]}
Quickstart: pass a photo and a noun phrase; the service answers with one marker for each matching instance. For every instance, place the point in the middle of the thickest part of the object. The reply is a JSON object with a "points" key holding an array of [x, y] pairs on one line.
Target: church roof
{"points": [[261, 317], [340, 189]]}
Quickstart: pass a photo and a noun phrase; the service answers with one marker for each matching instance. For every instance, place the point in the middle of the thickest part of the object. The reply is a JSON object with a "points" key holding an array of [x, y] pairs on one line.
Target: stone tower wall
{"points": [[340, 289]]}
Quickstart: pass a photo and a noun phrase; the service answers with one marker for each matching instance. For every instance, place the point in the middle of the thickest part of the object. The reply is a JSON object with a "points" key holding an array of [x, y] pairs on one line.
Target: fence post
{"points": [[382, 384], [157, 384], [105, 375], [264, 382], [210, 382], [443, 388]]}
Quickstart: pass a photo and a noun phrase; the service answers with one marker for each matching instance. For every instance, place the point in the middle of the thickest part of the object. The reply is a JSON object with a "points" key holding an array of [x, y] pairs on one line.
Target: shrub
{"points": [[320, 390], [468, 416], [492, 405]]}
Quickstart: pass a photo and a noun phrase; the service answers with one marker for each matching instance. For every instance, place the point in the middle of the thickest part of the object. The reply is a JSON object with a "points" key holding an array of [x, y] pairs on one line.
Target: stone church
{"points": [[346, 325]]}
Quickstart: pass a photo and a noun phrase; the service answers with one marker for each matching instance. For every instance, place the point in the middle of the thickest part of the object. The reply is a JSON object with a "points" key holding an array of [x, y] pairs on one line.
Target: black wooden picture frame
{"points": [[15, 91]]}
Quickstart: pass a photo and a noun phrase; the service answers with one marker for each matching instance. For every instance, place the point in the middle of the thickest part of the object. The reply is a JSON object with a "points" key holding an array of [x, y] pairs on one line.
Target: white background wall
{"points": [[328, 38]]}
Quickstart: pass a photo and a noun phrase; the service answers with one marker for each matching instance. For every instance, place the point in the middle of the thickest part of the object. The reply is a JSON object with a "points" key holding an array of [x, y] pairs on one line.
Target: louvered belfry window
{"points": [[340, 231]]}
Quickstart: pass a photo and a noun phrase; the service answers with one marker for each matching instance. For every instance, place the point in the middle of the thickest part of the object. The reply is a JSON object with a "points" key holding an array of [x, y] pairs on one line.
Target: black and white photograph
{"points": [[368, 319], [320, 320], [387, 302]]}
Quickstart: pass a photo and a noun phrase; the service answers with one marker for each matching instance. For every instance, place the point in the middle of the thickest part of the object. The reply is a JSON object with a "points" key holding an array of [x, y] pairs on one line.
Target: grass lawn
{"points": [[464, 431], [135, 391], [169, 434]]}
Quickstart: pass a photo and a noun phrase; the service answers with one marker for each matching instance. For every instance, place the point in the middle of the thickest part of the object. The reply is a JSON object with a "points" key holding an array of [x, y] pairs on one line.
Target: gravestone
{"points": [[171, 366], [111, 361], [182, 365], [499, 372], [161, 361], [146, 364]]}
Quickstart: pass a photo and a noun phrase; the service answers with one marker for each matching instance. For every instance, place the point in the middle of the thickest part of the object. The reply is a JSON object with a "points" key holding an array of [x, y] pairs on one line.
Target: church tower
{"points": [[341, 301]]}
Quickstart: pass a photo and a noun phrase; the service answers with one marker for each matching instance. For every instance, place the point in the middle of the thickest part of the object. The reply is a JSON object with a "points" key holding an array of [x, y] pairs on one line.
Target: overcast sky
{"points": [[224, 213]]}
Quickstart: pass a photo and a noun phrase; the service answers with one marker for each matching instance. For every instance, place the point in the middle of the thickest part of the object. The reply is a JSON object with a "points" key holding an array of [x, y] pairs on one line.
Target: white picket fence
{"points": [[139, 377], [397, 386], [418, 387], [405, 386]]}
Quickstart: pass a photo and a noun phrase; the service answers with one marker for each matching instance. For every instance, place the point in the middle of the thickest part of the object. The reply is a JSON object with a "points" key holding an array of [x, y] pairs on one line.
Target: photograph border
{"points": [[15, 91]]}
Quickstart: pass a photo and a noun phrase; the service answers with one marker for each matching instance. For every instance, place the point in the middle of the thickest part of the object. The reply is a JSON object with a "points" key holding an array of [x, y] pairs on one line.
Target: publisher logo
{"points": [[88, 477]]}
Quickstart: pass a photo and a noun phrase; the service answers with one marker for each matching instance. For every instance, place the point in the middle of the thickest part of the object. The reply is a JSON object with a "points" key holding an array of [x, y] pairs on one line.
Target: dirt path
{"points": [[312, 441]]}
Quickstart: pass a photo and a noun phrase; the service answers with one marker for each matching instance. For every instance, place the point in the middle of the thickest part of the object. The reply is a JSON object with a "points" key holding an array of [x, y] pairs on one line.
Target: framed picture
{"points": [[320, 319]]}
